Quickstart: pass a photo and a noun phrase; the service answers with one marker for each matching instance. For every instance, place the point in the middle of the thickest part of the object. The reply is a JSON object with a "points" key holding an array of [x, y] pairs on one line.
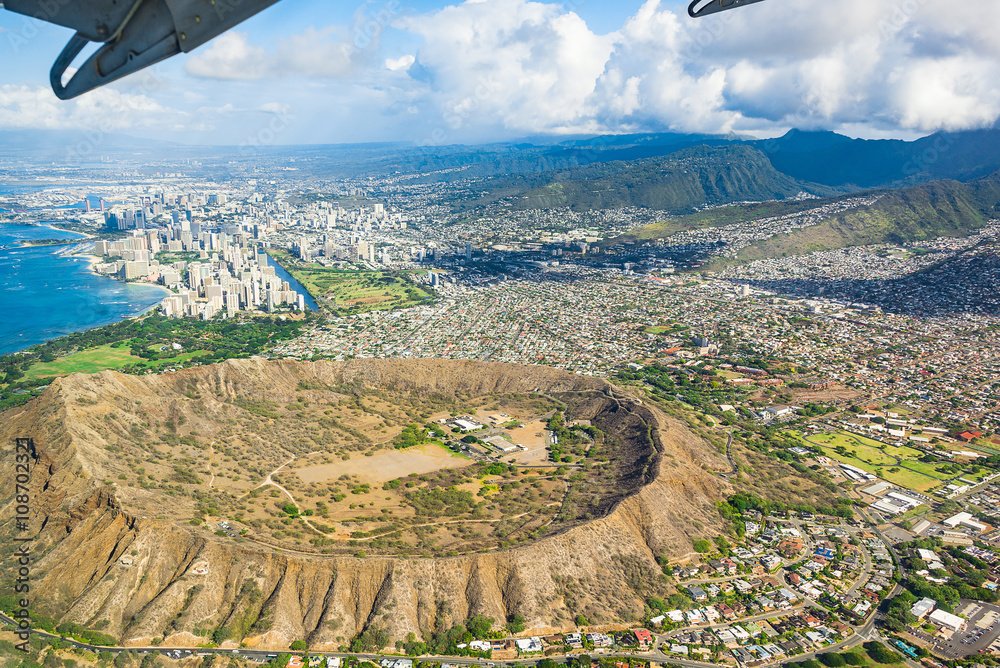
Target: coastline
{"points": [[83, 235], [90, 258], [66, 296], [93, 259]]}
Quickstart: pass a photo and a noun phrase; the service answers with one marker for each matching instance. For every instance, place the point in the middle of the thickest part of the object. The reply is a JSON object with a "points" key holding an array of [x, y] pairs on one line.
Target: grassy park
{"points": [[355, 291], [138, 345], [101, 358], [899, 465], [86, 361]]}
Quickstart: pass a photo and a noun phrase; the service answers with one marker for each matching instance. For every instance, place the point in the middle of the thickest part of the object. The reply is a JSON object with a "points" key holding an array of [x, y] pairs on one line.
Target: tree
{"points": [[880, 653], [479, 625], [299, 645], [702, 545], [832, 659], [280, 661], [516, 623]]}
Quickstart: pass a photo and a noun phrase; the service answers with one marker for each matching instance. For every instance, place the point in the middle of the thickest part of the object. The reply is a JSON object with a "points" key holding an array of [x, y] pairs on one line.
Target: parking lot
{"points": [[981, 631]]}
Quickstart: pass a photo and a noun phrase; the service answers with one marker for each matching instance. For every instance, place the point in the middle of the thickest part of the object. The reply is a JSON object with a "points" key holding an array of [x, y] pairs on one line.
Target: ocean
{"points": [[45, 293]]}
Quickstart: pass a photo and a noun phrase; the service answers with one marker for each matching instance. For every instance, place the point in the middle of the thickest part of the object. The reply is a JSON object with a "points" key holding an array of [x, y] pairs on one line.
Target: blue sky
{"points": [[438, 72]]}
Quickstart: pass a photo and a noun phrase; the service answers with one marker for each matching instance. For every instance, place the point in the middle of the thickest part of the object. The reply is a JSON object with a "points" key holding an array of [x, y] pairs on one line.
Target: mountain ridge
{"points": [[90, 526]]}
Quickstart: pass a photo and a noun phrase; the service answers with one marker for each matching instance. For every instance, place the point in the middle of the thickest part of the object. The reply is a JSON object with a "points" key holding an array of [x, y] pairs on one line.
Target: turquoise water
{"points": [[44, 294]]}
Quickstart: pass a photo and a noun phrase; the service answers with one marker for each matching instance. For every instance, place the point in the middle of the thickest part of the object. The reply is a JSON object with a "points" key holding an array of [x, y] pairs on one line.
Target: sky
{"points": [[435, 72]]}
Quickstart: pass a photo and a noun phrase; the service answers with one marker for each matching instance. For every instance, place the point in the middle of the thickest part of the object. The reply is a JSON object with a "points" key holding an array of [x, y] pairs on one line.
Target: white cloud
{"points": [[399, 64], [526, 65], [229, 56], [481, 68], [330, 52], [275, 108], [105, 108], [920, 66]]}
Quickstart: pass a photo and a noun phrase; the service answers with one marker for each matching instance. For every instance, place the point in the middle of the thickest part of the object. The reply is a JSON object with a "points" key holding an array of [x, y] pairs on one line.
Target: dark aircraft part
{"points": [[134, 33], [700, 8]]}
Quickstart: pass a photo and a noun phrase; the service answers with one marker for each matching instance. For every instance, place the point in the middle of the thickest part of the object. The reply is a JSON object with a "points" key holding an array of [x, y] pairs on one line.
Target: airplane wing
{"points": [[133, 34], [700, 8]]}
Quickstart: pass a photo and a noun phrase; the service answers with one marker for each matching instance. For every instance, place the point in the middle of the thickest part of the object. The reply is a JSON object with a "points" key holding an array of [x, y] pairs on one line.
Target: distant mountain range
{"points": [[945, 183], [677, 183], [44, 141], [836, 160]]}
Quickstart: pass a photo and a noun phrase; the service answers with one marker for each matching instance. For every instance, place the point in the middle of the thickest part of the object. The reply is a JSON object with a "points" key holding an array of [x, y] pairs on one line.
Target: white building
{"points": [[947, 621], [923, 607], [965, 520]]}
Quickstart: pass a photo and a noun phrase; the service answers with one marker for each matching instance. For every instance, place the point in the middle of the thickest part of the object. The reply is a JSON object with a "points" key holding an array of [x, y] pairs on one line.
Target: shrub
{"points": [[880, 653], [832, 659], [701, 545]]}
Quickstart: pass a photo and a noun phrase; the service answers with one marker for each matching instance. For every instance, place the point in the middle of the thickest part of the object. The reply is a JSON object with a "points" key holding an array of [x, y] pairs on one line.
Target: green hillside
{"points": [[940, 208], [678, 183], [717, 217]]}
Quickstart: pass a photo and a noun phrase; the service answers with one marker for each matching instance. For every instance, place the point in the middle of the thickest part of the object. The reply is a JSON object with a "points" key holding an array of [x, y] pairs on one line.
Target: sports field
{"points": [[356, 291], [897, 464]]}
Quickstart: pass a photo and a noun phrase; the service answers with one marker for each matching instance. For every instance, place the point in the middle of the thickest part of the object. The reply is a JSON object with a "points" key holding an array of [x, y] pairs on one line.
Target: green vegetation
{"points": [[677, 183], [703, 546], [927, 211], [966, 581], [139, 346], [355, 291], [410, 436], [572, 441], [880, 653], [446, 641], [86, 635], [701, 388], [104, 357], [901, 465], [832, 660], [736, 505], [941, 208], [449, 501], [371, 640]]}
